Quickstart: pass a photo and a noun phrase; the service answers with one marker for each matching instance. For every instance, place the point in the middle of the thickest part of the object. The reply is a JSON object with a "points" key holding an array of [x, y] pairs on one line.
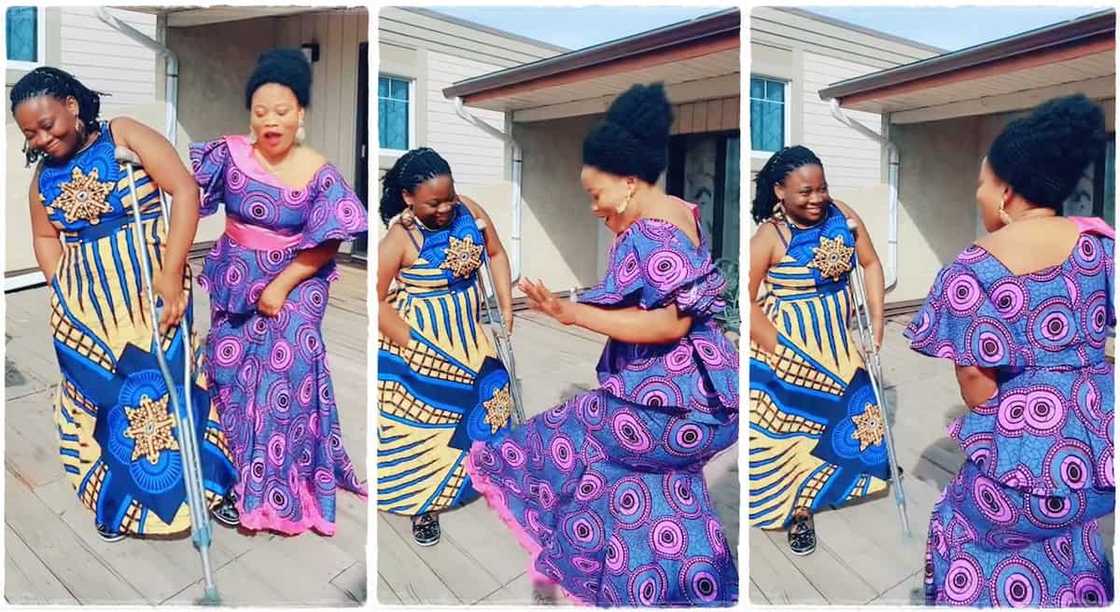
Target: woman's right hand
{"points": [[395, 328]]}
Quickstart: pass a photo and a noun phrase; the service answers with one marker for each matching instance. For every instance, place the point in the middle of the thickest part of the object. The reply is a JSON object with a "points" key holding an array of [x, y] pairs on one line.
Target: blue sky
{"points": [[577, 27], [954, 28]]}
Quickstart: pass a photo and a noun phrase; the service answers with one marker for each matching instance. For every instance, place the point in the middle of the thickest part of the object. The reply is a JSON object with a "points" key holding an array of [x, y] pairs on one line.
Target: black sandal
{"points": [[226, 512], [107, 534], [425, 529], [802, 533]]}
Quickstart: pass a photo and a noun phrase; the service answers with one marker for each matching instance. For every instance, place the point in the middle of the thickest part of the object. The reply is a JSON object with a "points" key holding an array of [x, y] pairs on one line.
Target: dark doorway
{"points": [[361, 172]]}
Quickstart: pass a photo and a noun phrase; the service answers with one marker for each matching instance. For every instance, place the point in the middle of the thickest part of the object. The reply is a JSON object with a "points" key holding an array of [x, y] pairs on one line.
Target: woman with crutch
{"points": [[1024, 314], [817, 435], [288, 210], [440, 382], [118, 432]]}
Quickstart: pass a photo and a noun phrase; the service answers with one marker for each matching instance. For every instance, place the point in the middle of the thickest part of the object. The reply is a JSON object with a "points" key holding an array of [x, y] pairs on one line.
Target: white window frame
{"points": [[411, 115], [40, 40], [764, 155]]}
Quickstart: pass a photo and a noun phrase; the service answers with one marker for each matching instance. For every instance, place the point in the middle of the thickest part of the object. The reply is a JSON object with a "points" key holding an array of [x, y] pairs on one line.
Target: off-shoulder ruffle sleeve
{"points": [[336, 212], [653, 265], [209, 161], [967, 323]]}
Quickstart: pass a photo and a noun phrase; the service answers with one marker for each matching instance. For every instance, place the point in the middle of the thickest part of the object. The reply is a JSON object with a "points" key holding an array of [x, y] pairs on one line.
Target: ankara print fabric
{"points": [[272, 381], [817, 438], [446, 388], [606, 491], [118, 436], [1019, 523]]}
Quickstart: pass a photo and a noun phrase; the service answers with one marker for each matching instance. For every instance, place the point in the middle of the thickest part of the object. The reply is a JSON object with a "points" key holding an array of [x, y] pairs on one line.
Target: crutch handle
{"points": [[126, 155]]}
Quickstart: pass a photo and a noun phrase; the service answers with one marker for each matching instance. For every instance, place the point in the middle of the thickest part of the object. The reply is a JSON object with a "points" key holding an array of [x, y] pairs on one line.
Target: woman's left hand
{"points": [[272, 299], [542, 300], [878, 326]]}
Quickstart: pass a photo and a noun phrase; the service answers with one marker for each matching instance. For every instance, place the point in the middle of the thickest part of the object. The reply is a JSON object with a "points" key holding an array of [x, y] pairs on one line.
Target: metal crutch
{"points": [[870, 354], [201, 529], [498, 331]]}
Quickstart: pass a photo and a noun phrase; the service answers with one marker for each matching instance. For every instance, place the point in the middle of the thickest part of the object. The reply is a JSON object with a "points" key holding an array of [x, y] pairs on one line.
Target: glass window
{"points": [[22, 24], [768, 114], [393, 113]]}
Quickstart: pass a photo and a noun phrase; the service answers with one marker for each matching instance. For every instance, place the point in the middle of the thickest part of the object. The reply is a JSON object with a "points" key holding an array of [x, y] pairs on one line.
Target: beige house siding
{"points": [[77, 41], [810, 53], [434, 52], [475, 156], [851, 160]]}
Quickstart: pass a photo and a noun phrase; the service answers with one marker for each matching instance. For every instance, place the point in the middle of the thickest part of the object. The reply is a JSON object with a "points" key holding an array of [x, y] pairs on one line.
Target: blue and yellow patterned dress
{"points": [[117, 431], [816, 437], [447, 388]]}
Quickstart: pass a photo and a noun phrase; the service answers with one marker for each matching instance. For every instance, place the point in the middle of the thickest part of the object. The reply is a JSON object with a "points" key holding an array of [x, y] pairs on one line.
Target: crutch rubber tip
{"points": [[210, 597]]}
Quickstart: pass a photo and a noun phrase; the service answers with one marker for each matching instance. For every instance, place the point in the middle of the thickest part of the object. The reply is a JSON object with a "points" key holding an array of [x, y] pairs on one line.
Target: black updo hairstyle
{"points": [[776, 169], [1043, 155], [633, 139], [411, 170], [287, 67], [60, 85]]}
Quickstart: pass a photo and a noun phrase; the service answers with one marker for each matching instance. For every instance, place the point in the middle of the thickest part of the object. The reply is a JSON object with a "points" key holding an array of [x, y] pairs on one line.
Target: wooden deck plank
{"points": [[46, 521], [81, 571], [456, 568], [409, 576]]}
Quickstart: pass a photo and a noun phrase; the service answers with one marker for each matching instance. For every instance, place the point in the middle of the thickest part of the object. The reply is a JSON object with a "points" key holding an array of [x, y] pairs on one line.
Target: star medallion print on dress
{"points": [[832, 258], [498, 409], [84, 198], [150, 426], [869, 427], [463, 257]]}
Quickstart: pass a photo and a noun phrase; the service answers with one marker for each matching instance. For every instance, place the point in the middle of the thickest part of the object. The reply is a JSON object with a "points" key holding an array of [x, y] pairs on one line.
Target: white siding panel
{"points": [[851, 159], [474, 155], [108, 61]]}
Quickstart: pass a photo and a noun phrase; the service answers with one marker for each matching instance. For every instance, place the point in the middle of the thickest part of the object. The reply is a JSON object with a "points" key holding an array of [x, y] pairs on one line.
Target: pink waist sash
{"points": [[258, 238]]}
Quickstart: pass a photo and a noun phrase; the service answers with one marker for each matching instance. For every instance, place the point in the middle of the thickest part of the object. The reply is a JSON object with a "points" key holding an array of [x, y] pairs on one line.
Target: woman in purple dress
{"points": [[287, 211], [606, 490], [1024, 315]]}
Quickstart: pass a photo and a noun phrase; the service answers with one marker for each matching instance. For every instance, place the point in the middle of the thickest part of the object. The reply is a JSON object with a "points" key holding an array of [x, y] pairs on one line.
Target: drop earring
{"points": [[625, 203], [301, 134], [252, 136], [1003, 216]]}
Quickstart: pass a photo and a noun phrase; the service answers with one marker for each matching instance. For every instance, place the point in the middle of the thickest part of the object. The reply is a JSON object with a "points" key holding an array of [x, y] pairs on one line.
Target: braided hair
{"points": [[766, 205], [633, 138], [411, 170], [60, 85], [1043, 155]]}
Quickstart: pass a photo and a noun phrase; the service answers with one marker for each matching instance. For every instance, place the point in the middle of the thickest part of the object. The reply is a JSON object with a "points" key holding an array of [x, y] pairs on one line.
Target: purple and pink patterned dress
{"points": [[271, 382], [606, 490], [1017, 526]]}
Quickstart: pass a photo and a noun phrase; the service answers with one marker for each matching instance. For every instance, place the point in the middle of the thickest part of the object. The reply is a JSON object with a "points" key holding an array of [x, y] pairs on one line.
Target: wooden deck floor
{"points": [[55, 557], [861, 557], [478, 561]]}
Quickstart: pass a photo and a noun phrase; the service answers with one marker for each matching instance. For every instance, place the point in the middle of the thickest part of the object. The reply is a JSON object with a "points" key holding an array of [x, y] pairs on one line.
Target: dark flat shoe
{"points": [[425, 529], [107, 534], [802, 534], [226, 512]]}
